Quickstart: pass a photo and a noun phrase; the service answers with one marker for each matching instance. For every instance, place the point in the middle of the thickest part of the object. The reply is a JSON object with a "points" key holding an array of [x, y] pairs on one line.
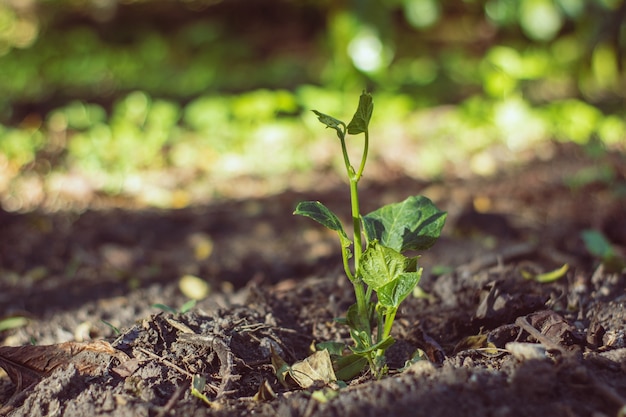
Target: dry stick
{"points": [[225, 356], [166, 362], [541, 338], [600, 387]]}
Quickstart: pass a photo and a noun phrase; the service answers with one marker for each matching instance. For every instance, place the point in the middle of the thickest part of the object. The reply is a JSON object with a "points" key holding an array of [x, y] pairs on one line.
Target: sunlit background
{"points": [[164, 102]]}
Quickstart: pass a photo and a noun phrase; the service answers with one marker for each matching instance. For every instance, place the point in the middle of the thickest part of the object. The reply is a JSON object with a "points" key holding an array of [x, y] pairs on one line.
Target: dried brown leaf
{"points": [[26, 365]]}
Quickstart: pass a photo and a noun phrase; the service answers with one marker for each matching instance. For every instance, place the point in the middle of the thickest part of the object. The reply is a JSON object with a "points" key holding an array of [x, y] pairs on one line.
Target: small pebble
{"points": [[526, 351]]}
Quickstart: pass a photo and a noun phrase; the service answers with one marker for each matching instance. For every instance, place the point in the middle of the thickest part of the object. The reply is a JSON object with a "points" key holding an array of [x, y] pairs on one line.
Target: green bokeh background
{"points": [[165, 101]]}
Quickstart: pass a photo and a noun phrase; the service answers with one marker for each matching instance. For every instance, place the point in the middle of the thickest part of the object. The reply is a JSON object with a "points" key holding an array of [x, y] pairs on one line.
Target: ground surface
{"points": [[276, 283]]}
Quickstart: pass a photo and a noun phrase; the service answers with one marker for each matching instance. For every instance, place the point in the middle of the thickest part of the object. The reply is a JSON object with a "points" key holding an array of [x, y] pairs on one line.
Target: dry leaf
{"points": [[315, 368], [26, 365]]}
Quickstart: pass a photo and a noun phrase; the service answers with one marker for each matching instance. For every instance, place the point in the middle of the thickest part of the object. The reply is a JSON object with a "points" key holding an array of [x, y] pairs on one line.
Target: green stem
{"points": [[366, 146], [356, 223], [389, 318], [346, 265]]}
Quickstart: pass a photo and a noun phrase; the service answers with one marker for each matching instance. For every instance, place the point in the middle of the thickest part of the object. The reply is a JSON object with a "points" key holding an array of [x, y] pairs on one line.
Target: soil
{"points": [[495, 342]]}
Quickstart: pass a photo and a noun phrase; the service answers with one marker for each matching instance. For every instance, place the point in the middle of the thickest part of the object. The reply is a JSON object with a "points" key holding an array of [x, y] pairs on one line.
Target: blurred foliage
{"points": [[112, 89]]}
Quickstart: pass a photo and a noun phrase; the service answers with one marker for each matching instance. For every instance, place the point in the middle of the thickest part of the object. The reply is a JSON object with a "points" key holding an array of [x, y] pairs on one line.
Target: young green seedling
{"points": [[381, 274]]}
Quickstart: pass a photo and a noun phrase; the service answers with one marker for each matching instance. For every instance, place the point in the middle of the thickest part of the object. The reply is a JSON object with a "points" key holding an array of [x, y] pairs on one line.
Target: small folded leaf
{"points": [[413, 224], [362, 116], [265, 392], [331, 122], [321, 214], [281, 368], [393, 293]]}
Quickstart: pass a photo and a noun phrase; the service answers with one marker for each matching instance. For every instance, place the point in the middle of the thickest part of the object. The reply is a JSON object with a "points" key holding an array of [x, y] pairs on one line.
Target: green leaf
{"points": [[597, 244], [393, 293], [347, 367], [355, 321], [187, 306], [334, 348], [413, 224], [362, 116], [12, 323], [382, 345], [165, 308], [321, 214], [331, 122], [546, 277], [198, 384], [381, 265]]}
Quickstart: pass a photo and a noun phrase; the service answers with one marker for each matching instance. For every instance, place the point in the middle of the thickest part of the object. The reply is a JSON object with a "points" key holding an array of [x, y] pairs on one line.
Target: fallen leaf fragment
{"points": [[312, 369], [265, 392], [26, 365]]}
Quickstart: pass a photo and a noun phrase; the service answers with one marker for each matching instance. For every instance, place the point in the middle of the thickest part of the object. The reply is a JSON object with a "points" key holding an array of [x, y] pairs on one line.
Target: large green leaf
{"points": [[362, 116], [413, 224], [321, 214]]}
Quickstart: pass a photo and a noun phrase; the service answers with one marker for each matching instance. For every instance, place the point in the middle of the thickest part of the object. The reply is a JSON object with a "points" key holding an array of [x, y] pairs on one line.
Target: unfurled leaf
{"points": [[413, 224], [393, 293], [361, 119], [321, 214]]}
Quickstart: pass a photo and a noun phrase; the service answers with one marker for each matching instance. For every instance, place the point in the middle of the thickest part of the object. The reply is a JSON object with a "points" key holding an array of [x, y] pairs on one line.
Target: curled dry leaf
{"points": [[26, 365]]}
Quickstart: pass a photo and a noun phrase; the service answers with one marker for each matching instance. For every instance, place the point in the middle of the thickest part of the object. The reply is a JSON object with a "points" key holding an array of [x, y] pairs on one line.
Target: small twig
{"points": [[541, 338], [166, 362], [225, 356]]}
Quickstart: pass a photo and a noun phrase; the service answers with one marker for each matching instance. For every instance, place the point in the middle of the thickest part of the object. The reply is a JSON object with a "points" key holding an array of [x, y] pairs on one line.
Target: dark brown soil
{"points": [[551, 349]]}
